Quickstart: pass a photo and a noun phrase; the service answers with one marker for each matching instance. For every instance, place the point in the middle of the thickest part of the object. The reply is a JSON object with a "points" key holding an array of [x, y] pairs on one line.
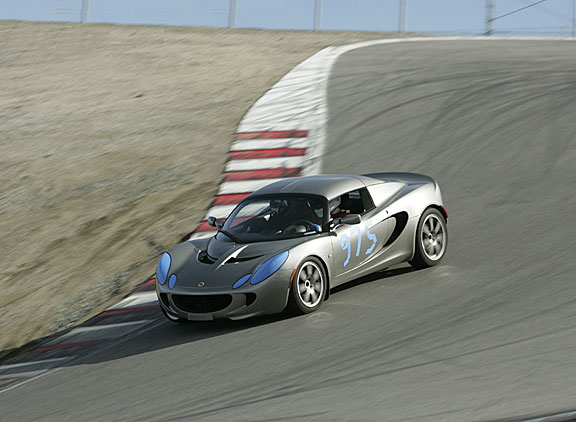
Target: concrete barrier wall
{"points": [[441, 16], [275, 14], [41, 10], [438, 15], [160, 12], [369, 15], [374, 15]]}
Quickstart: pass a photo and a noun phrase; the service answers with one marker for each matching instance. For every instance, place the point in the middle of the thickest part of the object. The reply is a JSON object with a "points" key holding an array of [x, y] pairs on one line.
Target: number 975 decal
{"points": [[346, 240]]}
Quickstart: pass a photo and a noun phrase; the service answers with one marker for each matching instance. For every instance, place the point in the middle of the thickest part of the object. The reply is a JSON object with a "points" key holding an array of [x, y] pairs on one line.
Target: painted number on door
{"points": [[346, 240]]}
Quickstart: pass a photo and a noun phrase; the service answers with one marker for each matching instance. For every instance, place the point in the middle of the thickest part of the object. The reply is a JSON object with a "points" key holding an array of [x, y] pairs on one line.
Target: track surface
{"points": [[489, 335]]}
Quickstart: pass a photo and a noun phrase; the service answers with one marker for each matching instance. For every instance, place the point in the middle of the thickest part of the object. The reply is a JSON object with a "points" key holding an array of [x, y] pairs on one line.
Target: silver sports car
{"points": [[287, 244]]}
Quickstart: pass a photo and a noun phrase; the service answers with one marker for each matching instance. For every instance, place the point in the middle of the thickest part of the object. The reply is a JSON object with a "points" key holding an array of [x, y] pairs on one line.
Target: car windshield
{"points": [[277, 218]]}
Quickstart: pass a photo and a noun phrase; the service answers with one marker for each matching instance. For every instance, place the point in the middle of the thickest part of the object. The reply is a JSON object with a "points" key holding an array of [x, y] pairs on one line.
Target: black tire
{"points": [[173, 318], [308, 288], [431, 240]]}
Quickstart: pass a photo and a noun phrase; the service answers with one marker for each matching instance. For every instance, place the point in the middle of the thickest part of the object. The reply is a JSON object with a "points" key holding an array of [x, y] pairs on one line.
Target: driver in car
{"points": [[297, 217], [289, 216]]}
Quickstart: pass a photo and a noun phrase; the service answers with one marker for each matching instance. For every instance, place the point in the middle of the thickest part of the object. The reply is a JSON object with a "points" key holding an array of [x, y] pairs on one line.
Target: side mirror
{"points": [[214, 222], [349, 219]]}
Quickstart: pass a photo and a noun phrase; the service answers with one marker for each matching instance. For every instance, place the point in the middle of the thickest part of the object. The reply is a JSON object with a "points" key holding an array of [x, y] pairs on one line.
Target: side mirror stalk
{"points": [[214, 222], [350, 219]]}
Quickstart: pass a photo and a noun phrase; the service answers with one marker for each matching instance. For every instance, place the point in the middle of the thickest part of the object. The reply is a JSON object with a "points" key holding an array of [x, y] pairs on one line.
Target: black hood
{"points": [[222, 246], [218, 262]]}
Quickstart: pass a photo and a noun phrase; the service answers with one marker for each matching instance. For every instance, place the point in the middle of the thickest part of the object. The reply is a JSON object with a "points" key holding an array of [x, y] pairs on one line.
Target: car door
{"points": [[353, 245]]}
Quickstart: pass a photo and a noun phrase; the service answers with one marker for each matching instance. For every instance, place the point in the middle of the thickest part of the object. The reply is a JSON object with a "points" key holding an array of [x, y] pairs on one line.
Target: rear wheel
{"points": [[308, 287], [431, 239]]}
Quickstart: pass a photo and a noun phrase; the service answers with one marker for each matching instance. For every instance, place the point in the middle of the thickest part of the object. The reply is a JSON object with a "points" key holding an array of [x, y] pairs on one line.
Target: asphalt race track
{"points": [[490, 335]]}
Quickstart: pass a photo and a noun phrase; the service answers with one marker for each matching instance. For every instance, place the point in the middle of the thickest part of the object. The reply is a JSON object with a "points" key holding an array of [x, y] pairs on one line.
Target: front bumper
{"points": [[268, 297]]}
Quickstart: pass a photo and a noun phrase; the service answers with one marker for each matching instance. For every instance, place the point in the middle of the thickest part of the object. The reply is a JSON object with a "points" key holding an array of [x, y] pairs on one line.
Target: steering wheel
{"points": [[292, 228]]}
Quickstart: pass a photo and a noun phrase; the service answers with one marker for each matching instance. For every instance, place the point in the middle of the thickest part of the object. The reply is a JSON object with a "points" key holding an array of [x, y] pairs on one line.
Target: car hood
{"points": [[220, 246], [217, 263]]}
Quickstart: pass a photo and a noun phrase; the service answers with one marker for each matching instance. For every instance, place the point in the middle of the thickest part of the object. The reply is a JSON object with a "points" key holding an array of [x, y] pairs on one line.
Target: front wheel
{"points": [[308, 287], [431, 239], [173, 318]]}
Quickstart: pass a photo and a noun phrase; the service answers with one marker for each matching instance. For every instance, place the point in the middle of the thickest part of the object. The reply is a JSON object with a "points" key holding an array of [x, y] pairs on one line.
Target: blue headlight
{"points": [[172, 281], [163, 268], [241, 282], [269, 267]]}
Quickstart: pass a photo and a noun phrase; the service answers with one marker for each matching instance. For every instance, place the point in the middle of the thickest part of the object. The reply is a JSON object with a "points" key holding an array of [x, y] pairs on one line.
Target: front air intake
{"points": [[201, 304], [204, 258]]}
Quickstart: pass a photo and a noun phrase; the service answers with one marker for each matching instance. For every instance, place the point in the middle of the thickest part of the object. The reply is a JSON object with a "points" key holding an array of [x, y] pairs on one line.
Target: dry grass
{"points": [[112, 142]]}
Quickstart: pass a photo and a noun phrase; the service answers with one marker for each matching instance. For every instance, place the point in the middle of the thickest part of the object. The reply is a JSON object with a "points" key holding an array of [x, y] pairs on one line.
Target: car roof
{"points": [[328, 185]]}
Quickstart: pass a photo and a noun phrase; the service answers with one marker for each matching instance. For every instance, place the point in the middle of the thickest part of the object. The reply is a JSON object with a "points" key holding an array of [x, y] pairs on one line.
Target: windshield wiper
{"points": [[231, 236]]}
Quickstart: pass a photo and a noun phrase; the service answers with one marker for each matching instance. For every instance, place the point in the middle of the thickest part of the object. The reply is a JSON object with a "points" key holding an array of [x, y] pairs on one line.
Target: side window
{"points": [[366, 200], [354, 202]]}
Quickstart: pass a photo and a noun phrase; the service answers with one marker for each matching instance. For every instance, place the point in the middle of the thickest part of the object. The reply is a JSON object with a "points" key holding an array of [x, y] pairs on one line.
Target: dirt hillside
{"points": [[112, 142]]}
